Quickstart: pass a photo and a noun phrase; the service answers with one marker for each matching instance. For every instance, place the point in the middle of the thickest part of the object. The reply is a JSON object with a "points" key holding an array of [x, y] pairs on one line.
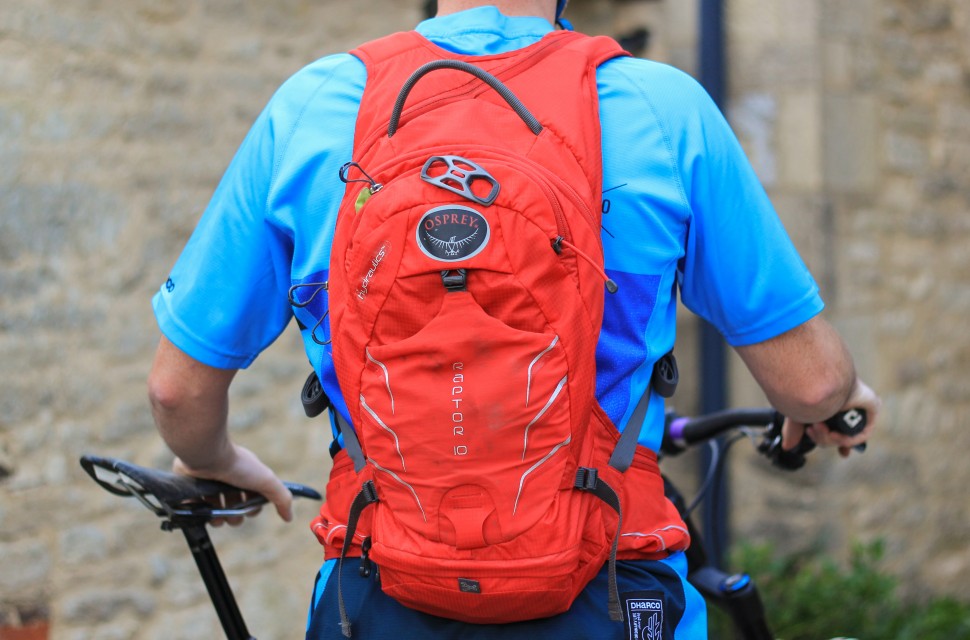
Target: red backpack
{"points": [[466, 296]]}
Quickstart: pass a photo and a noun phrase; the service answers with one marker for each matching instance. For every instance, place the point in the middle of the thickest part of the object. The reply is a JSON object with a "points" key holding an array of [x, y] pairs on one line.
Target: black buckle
{"points": [[455, 279], [586, 479], [369, 492], [365, 563]]}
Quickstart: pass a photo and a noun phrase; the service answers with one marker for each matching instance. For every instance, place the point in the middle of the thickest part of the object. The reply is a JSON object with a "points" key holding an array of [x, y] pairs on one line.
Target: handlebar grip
{"points": [[850, 423]]}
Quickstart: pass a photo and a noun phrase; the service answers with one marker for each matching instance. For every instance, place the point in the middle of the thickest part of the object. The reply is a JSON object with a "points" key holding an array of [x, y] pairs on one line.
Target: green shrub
{"points": [[811, 597]]}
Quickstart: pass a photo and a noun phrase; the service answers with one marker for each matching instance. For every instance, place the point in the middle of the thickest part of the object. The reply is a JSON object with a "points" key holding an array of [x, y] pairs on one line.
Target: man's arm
{"points": [[190, 403], [808, 375]]}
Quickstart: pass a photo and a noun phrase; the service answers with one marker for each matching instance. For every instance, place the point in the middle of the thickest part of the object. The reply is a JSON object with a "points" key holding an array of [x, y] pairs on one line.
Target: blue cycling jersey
{"points": [[683, 210]]}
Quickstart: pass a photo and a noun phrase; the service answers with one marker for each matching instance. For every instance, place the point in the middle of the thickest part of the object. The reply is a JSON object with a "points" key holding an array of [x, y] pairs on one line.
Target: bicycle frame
{"points": [[736, 594]]}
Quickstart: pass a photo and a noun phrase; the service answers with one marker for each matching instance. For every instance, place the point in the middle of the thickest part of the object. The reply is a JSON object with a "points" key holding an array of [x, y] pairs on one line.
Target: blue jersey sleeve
{"points": [[682, 211], [226, 297], [740, 270], [220, 304]]}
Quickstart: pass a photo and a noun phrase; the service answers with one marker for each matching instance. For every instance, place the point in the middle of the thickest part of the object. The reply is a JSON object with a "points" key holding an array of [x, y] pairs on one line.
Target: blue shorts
{"points": [[656, 598]]}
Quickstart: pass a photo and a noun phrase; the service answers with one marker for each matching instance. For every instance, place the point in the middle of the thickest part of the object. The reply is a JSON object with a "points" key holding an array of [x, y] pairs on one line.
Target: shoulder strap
{"points": [[351, 442], [626, 447]]}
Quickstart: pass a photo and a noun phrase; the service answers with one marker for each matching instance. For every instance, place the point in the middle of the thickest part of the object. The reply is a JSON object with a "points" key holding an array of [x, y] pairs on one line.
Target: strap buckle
{"points": [[455, 279], [586, 479]]}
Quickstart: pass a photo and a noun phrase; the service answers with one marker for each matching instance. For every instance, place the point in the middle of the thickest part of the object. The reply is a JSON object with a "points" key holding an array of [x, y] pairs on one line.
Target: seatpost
{"points": [[215, 581]]}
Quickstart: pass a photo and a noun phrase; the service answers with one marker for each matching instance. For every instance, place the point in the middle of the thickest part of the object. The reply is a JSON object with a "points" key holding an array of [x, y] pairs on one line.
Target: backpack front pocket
{"points": [[467, 420]]}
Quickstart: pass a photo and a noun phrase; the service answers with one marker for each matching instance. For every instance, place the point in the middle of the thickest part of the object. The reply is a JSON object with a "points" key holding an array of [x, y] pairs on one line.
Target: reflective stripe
{"points": [[528, 386], [655, 534], [398, 478], [387, 377], [397, 443], [334, 530], [536, 466], [555, 394]]}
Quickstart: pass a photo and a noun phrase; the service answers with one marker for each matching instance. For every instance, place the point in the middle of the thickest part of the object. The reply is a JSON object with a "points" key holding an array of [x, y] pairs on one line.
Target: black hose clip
{"points": [[665, 375], [315, 401], [455, 279]]}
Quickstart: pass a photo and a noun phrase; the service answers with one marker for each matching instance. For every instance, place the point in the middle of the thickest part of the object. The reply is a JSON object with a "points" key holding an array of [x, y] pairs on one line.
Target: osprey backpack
{"points": [[466, 295]]}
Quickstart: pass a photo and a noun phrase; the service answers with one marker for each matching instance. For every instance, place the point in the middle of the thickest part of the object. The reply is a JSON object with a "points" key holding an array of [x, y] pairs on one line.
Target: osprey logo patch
{"points": [[452, 232]]}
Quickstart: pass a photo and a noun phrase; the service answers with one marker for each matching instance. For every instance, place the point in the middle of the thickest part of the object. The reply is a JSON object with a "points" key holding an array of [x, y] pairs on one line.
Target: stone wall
{"points": [[117, 120], [857, 117]]}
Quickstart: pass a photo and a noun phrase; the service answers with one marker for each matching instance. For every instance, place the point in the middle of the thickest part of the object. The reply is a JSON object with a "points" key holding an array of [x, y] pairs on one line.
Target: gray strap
{"points": [[352, 444], [622, 456], [588, 480], [364, 498]]}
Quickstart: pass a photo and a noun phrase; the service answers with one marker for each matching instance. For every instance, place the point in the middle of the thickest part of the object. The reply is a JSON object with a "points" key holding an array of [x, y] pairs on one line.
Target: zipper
{"points": [[539, 174], [533, 168], [560, 242]]}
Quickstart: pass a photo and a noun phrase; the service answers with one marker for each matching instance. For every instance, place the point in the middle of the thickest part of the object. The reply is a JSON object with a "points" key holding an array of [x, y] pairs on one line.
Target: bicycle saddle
{"points": [[170, 494]]}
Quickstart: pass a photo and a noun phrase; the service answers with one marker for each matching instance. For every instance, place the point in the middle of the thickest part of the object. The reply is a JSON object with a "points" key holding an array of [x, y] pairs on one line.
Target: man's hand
{"points": [[244, 470], [862, 397], [190, 404]]}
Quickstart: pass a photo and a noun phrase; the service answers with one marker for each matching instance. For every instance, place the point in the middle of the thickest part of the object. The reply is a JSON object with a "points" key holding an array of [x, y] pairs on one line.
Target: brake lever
{"points": [[787, 459]]}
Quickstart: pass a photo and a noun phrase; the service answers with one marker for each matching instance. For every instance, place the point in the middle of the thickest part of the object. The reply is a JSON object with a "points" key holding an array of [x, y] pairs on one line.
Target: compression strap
{"points": [[626, 446], [588, 480], [364, 498]]}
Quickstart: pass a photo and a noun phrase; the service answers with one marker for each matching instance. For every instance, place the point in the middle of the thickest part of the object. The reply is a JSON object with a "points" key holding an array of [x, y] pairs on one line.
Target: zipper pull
{"points": [[560, 242], [372, 184]]}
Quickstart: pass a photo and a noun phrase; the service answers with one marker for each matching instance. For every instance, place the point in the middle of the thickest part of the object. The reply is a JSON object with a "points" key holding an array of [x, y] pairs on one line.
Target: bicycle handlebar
{"points": [[681, 432], [685, 431]]}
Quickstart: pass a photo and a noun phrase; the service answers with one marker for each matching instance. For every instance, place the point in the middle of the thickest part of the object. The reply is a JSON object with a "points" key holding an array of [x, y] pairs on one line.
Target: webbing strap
{"points": [[588, 480], [663, 381], [351, 443], [626, 447], [364, 498]]}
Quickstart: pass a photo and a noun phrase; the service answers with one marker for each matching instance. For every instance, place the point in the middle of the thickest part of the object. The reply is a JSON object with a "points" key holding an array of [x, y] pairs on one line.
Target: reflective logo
{"points": [[452, 232], [372, 267]]}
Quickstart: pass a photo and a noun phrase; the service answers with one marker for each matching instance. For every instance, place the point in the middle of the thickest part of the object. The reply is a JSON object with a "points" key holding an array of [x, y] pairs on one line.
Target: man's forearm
{"points": [[195, 431], [806, 373], [190, 404]]}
